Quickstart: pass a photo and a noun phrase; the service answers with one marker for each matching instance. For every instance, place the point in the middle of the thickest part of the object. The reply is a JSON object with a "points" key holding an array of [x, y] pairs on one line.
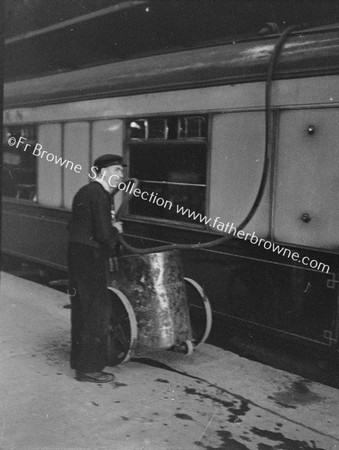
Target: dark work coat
{"points": [[92, 241]]}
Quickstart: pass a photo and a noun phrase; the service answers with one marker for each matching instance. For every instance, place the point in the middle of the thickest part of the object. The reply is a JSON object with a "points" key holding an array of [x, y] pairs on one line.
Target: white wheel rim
{"points": [[132, 321], [190, 347], [207, 306]]}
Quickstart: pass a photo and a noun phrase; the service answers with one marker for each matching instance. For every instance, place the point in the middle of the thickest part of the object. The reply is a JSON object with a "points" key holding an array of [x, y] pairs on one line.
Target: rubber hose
{"points": [[268, 145]]}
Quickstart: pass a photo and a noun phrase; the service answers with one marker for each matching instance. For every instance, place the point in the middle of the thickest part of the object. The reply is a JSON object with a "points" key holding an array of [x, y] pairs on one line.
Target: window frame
{"points": [[20, 147], [130, 142]]}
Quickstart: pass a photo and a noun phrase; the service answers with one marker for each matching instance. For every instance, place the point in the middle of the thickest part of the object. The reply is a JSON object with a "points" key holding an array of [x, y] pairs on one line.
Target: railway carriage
{"points": [[191, 125]]}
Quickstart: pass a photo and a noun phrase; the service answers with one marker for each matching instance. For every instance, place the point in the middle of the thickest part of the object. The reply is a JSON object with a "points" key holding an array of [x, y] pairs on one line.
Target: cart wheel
{"points": [[123, 329], [200, 311], [187, 347]]}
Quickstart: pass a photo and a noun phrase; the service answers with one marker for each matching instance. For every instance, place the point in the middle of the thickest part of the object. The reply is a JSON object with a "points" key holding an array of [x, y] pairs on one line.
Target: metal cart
{"points": [[155, 307]]}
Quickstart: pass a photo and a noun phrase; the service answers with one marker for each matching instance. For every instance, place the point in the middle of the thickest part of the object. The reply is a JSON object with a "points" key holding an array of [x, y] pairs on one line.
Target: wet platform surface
{"points": [[212, 399]]}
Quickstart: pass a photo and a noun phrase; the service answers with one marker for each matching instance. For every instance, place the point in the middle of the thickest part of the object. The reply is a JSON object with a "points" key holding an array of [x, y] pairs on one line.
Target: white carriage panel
{"points": [[307, 180], [246, 95], [108, 137], [49, 173], [292, 93], [237, 159], [76, 154]]}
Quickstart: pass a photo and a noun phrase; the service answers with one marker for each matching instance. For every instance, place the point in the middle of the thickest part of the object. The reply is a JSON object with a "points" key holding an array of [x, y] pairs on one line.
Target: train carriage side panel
{"points": [[307, 180], [35, 233], [237, 158], [76, 154], [49, 174]]}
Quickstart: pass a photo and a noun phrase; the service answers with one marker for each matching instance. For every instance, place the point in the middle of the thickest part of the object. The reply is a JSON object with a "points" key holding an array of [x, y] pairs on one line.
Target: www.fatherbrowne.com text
{"points": [[221, 226]]}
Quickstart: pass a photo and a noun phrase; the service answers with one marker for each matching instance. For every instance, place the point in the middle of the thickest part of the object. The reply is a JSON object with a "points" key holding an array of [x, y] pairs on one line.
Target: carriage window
{"points": [[19, 167], [170, 159], [138, 129], [192, 127], [157, 128]]}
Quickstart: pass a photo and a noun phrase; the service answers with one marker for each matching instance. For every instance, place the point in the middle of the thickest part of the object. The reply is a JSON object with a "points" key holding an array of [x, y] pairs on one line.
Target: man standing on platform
{"points": [[92, 241]]}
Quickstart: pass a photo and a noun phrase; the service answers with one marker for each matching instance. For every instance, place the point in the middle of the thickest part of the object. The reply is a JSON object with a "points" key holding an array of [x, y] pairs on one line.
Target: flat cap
{"points": [[107, 161]]}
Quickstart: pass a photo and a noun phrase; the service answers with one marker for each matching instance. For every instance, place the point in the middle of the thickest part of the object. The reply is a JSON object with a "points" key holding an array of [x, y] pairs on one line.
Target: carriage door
{"points": [[306, 216]]}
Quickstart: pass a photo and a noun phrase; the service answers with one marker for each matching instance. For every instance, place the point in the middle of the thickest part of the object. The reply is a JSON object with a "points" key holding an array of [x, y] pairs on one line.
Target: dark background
{"points": [[138, 28]]}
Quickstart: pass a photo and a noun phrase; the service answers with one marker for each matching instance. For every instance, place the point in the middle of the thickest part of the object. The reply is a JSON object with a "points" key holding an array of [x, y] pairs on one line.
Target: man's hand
{"points": [[118, 226]]}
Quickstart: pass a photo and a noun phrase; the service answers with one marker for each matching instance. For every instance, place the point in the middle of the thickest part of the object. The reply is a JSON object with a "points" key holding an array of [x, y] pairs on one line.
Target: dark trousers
{"points": [[91, 307]]}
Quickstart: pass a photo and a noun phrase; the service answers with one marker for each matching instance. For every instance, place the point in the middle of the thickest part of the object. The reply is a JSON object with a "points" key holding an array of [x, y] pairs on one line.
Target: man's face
{"points": [[113, 175]]}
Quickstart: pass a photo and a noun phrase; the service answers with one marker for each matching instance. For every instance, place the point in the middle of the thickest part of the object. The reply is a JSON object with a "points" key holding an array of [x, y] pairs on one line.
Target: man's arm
{"points": [[104, 232]]}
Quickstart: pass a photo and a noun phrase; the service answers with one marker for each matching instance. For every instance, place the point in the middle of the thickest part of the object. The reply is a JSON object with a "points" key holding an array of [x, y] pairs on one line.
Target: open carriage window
{"points": [[169, 157], [19, 171]]}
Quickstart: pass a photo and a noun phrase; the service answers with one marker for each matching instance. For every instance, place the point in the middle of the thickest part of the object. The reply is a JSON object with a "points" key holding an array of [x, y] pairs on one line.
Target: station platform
{"points": [[212, 399]]}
